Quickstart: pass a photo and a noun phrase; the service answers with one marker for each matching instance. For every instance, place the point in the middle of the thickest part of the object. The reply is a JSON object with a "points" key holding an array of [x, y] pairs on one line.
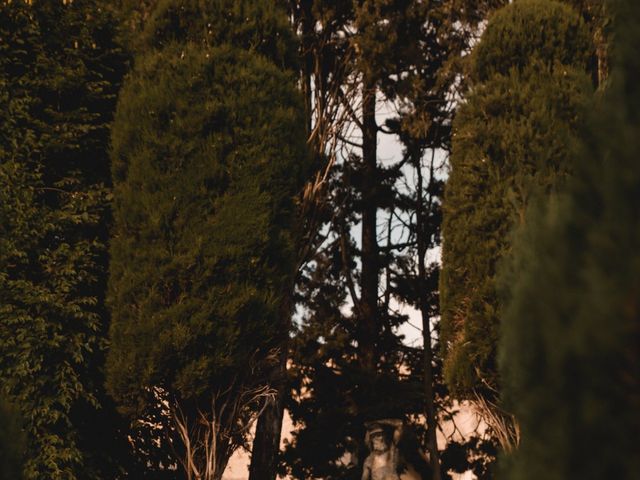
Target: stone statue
{"points": [[382, 438]]}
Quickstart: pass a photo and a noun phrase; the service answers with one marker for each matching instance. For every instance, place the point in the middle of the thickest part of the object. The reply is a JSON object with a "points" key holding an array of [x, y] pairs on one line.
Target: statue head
{"points": [[377, 439]]}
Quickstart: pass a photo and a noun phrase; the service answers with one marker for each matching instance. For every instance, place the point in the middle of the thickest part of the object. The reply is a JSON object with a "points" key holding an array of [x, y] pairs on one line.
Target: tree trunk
{"points": [[304, 52], [429, 391], [368, 324], [266, 444]]}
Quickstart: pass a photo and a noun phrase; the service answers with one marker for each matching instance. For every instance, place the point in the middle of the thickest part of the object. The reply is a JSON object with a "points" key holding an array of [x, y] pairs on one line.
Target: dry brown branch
{"points": [[210, 436], [502, 424], [333, 101]]}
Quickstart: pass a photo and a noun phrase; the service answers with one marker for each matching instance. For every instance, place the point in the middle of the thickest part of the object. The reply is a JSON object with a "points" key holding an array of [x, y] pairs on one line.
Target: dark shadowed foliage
{"points": [[60, 70], [569, 347]]}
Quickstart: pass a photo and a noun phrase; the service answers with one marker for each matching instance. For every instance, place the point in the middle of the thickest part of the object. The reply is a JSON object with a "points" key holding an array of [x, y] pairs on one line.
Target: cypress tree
{"points": [[511, 141], [59, 73], [208, 154], [571, 329]]}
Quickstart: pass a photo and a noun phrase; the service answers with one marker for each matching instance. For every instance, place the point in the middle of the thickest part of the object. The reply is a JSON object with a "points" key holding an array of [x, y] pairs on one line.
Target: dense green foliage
{"points": [[208, 154], [203, 186], [254, 25], [546, 30], [569, 349], [511, 140], [59, 73]]}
